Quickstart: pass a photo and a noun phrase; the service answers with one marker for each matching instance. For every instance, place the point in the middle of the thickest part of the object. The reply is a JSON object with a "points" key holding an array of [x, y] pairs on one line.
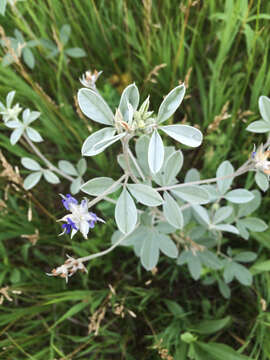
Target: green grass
{"points": [[224, 45]]}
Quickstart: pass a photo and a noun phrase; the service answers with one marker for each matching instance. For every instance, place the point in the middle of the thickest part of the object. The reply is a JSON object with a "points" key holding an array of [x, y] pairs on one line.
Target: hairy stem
{"points": [[104, 252], [136, 164], [126, 150], [243, 169], [45, 160]]}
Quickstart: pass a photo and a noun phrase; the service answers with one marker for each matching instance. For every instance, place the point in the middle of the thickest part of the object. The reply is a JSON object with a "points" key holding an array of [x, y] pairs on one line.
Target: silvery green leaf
{"points": [[165, 228], [31, 180], [141, 148], [75, 52], [67, 167], [121, 161], [28, 57], [9, 98], [51, 177], [224, 169], [130, 239], [254, 224], [81, 166], [149, 250], [196, 233], [184, 257], [222, 214], [19, 35], [224, 289], [30, 116], [227, 228], [194, 267], [75, 186], [228, 273], [245, 256], [192, 194], [262, 180], [201, 214], [15, 135], [212, 191], [171, 103], [65, 33], [131, 96], [94, 107], [172, 166], [33, 43], [96, 137], [167, 246], [172, 212], [185, 134], [145, 194], [155, 152], [125, 213], [242, 274], [33, 134], [13, 124], [103, 144], [239, 196], [3, 4], [130, 114], [264, 106], [251, 206], [98, 186], [30, 164], [7, 60], [259, 126], [210, 259], [242, 230], [192, 175]]}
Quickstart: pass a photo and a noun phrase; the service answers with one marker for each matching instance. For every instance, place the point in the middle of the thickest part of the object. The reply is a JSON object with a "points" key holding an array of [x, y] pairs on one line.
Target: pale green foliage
{"points": [[193, 215]]}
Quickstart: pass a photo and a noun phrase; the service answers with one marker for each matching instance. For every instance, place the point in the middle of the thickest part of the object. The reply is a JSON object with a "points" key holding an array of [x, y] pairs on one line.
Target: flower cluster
{"points": [[260, 159], [89, 79], [10, 112], [69, 268], [79, 218]]}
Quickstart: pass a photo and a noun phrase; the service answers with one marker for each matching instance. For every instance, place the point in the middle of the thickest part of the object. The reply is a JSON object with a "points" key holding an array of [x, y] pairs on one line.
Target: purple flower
{"points": [[79, 218], [67, 200], [70, 225]]}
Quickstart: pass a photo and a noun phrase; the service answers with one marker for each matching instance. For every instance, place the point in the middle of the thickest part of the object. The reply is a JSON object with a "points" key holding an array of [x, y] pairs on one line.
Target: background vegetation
{"points": [[221, 50]]}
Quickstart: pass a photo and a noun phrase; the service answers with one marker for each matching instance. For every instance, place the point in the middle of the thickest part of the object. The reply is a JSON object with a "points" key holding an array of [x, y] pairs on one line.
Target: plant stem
{"points": [[136, 164], [104, 252], [126, 150], [243, 169], [45, 160]]}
